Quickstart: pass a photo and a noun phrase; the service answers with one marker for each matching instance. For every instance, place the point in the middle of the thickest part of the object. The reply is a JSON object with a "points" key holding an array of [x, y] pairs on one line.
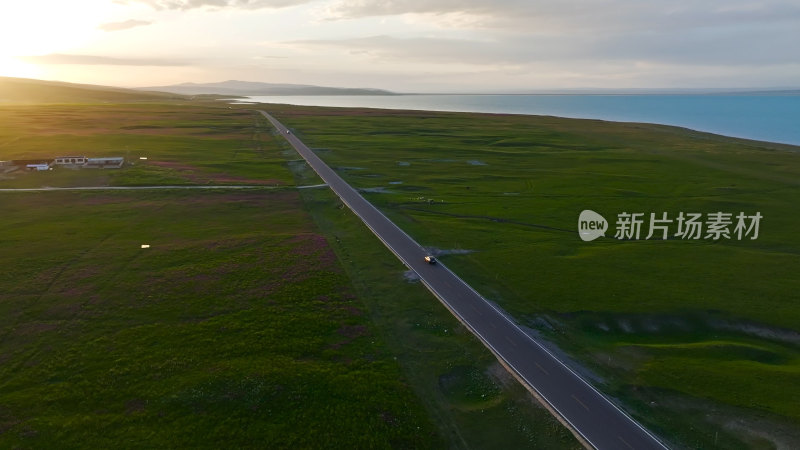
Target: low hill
{"points": [[246, 88], [23, 90]]}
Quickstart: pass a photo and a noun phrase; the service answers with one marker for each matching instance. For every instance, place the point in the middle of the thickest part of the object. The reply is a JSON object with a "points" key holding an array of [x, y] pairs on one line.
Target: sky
{"points": [[407, 45]]}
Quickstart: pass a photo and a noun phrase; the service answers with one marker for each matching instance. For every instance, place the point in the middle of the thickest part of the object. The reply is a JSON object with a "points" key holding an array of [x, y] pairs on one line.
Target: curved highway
{"points": [[594, 420]]}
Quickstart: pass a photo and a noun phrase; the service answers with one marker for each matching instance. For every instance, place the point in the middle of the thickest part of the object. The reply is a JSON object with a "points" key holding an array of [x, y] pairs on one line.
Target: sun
{"points": [[40, 27], [13, 67]]}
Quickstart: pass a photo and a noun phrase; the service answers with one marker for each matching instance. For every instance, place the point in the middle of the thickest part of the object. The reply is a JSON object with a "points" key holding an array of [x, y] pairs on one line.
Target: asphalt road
{"points": [[588, 413]]}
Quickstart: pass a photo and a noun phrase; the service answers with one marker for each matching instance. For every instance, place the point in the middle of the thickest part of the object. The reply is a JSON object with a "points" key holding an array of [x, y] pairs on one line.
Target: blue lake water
{"points": [[774, 118]]}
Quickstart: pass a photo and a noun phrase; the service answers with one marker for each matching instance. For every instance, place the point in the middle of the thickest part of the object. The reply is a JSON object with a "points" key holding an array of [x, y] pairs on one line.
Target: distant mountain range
{"points": [[249, 88], [24, 90]]}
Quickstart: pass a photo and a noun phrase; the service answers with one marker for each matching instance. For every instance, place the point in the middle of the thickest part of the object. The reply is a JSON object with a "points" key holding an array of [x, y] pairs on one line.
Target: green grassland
{"points": [[185, 144], [474, 401], [236, 328], [23, 91], [272, 317], [698, 338], [239, 327]]}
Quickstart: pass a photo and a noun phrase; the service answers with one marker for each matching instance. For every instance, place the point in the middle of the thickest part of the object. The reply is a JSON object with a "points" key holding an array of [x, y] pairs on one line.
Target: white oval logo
{"points": [[591, 225]]}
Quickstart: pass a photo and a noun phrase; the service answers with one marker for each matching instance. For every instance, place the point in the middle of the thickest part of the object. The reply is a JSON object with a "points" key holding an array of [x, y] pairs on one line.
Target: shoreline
{"points": [[732, 116]]}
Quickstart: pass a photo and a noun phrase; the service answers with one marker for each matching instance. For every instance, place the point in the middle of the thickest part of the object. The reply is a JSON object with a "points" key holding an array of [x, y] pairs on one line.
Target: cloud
{"points": [[91, 60], [530, 33], [421, 49], [535, 16], [119, 26], [580, 35], [695, 47], [349, 9], [184, 5]]}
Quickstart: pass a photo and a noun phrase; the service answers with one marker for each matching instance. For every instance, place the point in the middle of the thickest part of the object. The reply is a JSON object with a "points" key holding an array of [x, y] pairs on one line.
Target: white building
{"points": [[37, 167], [112, 162], [70, 160]]}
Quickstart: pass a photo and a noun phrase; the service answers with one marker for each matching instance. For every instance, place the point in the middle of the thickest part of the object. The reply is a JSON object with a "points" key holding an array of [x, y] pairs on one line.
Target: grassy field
{"points": [[22, 91], [184, 145], [247, 317], [236, 328], [698, 338], [239, 326], [474, 401]]}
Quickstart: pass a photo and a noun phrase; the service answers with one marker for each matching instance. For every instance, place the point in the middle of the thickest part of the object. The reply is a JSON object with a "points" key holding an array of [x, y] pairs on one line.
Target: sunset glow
{"points": [[42, 27], [480, 45]]}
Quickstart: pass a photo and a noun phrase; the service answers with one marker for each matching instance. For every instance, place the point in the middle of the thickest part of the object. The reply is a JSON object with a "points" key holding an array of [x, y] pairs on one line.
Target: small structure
{"points": [[33, 164], [70, 161], [111, 162], [38, 167]]}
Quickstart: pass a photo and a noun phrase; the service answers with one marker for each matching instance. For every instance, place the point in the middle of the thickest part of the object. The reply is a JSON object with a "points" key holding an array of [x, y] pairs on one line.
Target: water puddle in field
{"points": [[453, 251], [376, 190], [411, 276]]}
